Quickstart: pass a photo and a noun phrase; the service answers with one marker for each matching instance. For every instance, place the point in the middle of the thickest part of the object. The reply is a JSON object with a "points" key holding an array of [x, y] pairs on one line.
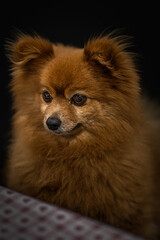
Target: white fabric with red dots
{"points": [[25, 218]]}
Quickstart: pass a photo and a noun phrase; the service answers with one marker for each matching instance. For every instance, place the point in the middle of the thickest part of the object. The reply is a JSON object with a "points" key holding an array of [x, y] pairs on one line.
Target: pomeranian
{"points": [[83, 137]]}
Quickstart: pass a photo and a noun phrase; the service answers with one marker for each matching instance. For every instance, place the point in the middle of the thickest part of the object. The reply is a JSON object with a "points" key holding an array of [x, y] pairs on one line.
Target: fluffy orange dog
{"points": [[82, 136]]}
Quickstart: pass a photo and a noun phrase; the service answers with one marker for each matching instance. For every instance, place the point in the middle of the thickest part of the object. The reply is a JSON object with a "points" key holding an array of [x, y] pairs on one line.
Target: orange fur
{"points": [[107, 168]]}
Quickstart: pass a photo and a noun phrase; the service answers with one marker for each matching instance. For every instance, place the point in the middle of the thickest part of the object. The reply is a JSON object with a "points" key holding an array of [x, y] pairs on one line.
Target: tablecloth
{"points": [[26, 218]]}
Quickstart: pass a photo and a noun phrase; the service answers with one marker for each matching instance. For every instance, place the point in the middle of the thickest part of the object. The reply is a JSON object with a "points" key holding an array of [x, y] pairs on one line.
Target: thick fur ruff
{"points": [[107, 168]]}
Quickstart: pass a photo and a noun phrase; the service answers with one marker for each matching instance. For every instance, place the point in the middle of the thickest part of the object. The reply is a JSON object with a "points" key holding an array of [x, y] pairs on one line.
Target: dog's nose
{"points": [[53, 123]]}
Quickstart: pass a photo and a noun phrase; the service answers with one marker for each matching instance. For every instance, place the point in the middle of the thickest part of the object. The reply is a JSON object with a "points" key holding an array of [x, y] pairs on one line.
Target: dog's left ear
{"points": [[108, 54], [27, 49]]}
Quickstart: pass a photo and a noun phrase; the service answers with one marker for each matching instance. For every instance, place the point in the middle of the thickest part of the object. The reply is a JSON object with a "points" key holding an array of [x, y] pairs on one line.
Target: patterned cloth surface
{"points": [[25, 218]]}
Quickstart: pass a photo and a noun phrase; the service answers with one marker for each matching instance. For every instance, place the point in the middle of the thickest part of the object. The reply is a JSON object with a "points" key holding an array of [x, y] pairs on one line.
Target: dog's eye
{"points": [[78, 100], [47, 97]]}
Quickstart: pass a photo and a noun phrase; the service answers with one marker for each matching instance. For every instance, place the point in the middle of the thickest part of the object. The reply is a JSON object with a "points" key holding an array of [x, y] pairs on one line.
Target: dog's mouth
{"points": [[64, 132]]}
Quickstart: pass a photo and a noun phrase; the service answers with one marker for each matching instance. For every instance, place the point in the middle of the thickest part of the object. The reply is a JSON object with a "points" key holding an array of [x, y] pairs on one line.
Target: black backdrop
{"points": [[73, 24]]}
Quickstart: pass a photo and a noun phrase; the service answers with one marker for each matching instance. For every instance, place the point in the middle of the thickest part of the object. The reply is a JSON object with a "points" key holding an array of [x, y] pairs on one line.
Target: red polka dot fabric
{"points": [[25, 218]]}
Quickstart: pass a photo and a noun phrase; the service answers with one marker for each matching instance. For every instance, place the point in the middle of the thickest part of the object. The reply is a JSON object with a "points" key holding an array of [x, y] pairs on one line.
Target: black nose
{"points": [[53, 123]]}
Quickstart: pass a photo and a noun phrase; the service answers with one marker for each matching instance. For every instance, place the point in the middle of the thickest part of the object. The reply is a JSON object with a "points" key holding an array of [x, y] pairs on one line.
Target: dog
{"points": [[83, 136]]}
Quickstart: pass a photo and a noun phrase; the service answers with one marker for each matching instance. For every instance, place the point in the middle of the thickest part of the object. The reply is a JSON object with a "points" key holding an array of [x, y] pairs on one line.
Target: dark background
{"points": [[73, 24]]}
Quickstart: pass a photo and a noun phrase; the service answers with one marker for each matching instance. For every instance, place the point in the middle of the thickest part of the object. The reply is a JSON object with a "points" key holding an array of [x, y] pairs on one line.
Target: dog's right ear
{"points": [[28, 50]]}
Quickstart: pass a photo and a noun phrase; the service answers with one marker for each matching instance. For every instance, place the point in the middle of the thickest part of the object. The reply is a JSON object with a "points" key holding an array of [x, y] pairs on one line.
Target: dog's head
{"points": [[70, 91]]}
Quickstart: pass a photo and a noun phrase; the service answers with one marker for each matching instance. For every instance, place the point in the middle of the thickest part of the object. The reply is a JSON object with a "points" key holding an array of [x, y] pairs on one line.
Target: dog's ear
{"points": [[108, 54], [27, 49]]}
